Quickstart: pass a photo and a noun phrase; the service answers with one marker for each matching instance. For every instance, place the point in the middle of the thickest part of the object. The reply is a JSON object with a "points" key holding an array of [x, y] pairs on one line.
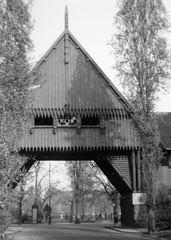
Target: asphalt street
{"points": [[68, 231]]}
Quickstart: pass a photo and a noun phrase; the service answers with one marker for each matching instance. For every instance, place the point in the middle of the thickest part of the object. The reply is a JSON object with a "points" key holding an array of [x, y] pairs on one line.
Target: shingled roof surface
{"points": [[164, 123]]}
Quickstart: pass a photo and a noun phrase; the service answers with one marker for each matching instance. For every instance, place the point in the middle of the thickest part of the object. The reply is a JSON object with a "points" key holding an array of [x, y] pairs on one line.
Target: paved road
{"points": [[67, 231]]}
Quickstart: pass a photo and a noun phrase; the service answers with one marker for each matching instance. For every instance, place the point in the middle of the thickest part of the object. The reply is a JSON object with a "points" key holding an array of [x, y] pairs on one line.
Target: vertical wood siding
{"points": [[89, 93], [114, 136]]}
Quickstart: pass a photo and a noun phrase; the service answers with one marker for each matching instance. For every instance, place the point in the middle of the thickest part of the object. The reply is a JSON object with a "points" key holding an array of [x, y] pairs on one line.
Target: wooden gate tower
{"points": [[78, 114]]}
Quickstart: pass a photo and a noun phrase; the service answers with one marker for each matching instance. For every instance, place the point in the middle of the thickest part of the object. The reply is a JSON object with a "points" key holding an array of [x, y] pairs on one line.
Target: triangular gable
{"points": [[74, 87], [80, 82]]}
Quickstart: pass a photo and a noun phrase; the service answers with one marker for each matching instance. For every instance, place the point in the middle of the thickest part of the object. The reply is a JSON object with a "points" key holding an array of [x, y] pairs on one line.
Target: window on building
{"points": [[43, 121], [90, 120]]}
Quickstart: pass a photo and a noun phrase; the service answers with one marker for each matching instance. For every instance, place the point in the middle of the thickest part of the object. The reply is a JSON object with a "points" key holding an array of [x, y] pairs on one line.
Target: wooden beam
{"points": [[133, 172]]}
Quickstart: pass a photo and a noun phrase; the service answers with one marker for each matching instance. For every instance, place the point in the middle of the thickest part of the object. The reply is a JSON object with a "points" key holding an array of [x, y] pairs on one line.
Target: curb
{"points": [[129, 231], [152, 236], [125, 230]]}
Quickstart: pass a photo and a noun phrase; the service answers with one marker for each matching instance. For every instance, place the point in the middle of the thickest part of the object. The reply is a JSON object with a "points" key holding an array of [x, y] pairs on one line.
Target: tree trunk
{"points": [[77, 217], [82, 212], [151, 220], [77, 191], [20, 212], [114, 216], [71, 220]]}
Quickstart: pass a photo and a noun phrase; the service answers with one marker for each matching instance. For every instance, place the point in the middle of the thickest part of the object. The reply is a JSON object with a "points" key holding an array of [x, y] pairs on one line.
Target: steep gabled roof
{"points": [[72, 82], [91, 74]]}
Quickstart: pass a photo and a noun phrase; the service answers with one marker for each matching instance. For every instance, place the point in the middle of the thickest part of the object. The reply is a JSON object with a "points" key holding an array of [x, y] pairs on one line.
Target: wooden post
{"points": [[133, 172], [138, 171]]}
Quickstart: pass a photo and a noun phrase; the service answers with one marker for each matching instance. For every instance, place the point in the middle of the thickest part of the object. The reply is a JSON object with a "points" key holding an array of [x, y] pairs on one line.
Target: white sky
{"points": [[58, 175], [91, 22]]}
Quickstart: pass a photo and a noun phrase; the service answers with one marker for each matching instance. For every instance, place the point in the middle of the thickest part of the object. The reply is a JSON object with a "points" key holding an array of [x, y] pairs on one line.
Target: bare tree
{"points": [[143, 63], [89, 185], [79, 185], [44, 189], [75, 174], [102, 187]]}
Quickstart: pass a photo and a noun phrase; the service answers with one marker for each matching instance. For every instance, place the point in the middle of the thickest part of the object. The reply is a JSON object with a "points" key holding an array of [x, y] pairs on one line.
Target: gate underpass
{"points": [[78, 114]]}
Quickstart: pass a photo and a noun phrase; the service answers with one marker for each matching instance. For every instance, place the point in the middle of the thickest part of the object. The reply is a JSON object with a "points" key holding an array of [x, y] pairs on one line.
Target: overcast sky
{"points": [[91, 22]]}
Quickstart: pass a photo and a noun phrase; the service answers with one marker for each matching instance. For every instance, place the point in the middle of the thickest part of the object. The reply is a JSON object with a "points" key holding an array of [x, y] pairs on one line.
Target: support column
{"points": [[138, 171], [127, 210], [132, 204], [134, 187]]}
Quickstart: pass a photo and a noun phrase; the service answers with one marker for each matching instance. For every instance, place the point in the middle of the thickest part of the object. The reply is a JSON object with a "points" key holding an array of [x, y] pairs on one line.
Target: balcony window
{"points": [[43, 121], [90, 121]]}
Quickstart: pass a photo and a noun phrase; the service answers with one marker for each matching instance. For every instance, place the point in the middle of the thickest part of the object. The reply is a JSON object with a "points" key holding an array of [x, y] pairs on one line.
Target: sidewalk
{"points": [[125, 229], [12, 230], [143, 232]]}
